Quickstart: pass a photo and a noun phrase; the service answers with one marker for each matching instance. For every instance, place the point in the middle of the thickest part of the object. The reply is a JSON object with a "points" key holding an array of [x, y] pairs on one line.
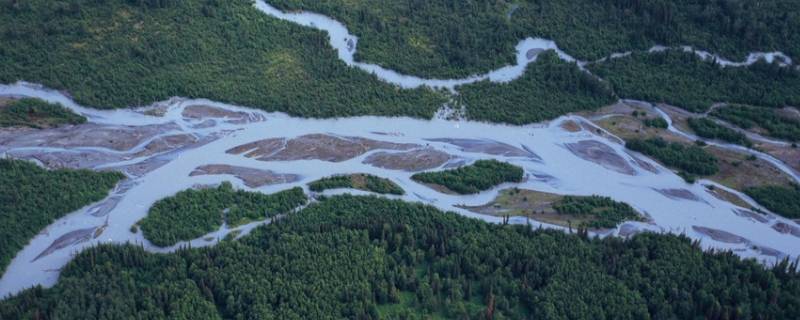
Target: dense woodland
{"points": [[771, 121], [31, 198], [455, 38], [782, 200], [369, 258], [689, 159], [479, 176], [191, 213], [606, 212], [709, 129], [119, 53], [548, 89], [361, 181], [684, 80], [658, 122], [36, 113]]}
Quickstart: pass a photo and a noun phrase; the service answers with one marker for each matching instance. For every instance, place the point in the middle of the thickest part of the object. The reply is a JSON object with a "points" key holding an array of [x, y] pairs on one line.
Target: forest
{"points": [[120, 53], [748, 117], [548, 89], [191, 213], [658, 122], [782, 200], [479, 176], [709, 129], [690, 159], [31, 198], [682, 79], [606, 212], [455, 38], [36, 113], [370, 258], [360, 181]]}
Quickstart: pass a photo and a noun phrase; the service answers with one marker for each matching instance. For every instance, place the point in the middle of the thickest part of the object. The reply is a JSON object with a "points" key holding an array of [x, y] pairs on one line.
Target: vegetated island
{"points": [[707, 128], [783, 200], [35, 113], [690, 160], [375, 258], [191, 213], [31, 198], [479, 176], [769, 122], [592, 212], [360, 181]]}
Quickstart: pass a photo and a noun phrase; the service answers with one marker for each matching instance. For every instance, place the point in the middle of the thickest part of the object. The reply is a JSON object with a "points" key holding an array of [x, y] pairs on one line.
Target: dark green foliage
{"points": [[366, 182], [366, 257], [456, 38], [608, 213], [193, 213], [37, 113], [691, 159], [549, 88], [748, 117], [479, 176], [684, 80], [118, 53], [709, 129], [656, 123], [782, 200], [31, 198]]}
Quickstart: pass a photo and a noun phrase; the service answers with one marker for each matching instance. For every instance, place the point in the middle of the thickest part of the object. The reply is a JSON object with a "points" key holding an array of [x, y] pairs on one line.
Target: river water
{"points": [[554, 169]]}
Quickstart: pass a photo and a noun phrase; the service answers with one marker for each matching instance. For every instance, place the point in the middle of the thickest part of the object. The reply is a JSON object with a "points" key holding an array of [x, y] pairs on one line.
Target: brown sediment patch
{"points": [[601, 154], [724, 195], [68, 239], [679, 194], [167, 143], [411, 161], [488, 147], [314, 147], [751, 215], [643, 164], [251, 177], [119, 138], [788, 154], [533, 53], [141, 168], [198, 112], [767, 251], [719, 235], [786, 228], [738, 171], [69, 159], [570, 126]]}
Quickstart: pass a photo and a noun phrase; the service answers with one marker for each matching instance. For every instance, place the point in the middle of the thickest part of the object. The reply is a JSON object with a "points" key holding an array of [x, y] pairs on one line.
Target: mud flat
{"points": [[314, 147], [253, 178], [488, 147], [601, 154], [410, 161], [786, 228], [679, 194], [719, 235], [118, 138], [198, 112]]}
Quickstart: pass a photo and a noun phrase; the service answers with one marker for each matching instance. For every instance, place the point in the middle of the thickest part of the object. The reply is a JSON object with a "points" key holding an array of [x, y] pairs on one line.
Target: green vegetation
{"points": [[31, 198], [782, 200], [748, 117], [455, 38], [684, 80], [659, 123], [36, 113], [479, 176], [368, 258], [549, 88], [361, 181], [690, 159], [118, 53], [193, 213], [606, 212], [709, 129]]}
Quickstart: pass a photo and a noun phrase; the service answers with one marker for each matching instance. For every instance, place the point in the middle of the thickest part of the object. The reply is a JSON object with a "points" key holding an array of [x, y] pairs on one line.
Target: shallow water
{"points": [[558, 171]]}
